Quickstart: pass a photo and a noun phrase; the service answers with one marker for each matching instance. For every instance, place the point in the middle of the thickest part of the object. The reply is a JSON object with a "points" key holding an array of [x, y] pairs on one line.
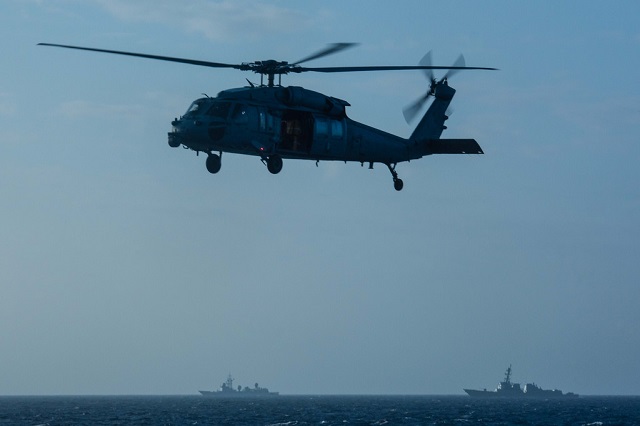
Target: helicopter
{"points": [[274, 122]]}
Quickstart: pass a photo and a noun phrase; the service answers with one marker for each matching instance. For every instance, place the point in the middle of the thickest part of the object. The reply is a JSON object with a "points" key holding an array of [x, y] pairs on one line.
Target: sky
{"points": [[126, 268]]}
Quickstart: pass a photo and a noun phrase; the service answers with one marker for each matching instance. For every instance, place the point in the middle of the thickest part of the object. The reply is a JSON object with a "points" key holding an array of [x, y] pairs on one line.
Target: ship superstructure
{"points": [[227, 390]]}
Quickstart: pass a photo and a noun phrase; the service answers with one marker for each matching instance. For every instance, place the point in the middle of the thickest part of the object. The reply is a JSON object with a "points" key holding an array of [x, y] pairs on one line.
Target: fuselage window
{"points": [[337, 129], [263, 121], [322, 126], [270, 122]]}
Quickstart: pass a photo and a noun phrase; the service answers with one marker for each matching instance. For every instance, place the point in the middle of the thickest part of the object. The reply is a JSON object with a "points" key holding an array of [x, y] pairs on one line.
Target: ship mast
{"points": [[507, 378], [229, 382]]}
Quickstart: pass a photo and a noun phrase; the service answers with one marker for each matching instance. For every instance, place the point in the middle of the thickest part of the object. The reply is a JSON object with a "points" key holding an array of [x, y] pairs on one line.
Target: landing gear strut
{"points": [[214, 162], [397, 182]]}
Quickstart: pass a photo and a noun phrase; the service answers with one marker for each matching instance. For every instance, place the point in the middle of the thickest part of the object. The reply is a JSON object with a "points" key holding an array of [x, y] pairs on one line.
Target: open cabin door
{"points": [[312, 136], [296, 132]]}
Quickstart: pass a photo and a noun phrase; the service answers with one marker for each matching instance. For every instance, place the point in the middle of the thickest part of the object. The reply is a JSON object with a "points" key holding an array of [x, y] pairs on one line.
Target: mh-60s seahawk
{"points": [[275, 122]]}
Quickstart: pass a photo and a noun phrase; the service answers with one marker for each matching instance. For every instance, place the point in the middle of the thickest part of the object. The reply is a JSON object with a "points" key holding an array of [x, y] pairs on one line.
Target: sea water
{"points": [[315, 410]]}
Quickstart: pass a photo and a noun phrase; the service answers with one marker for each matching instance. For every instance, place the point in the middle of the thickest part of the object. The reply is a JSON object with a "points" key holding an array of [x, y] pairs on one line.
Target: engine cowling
{"points": [[298, 96]]}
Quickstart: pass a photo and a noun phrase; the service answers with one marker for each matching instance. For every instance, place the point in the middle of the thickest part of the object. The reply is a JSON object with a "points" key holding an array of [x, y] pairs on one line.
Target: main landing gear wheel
{"points": [[274, 164], [398, 184], [214, 162]]}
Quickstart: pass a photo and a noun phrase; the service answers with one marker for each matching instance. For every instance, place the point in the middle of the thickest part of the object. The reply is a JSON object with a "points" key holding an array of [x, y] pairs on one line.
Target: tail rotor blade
{"points": [[459, 63], [410, 111], [427, 62]]}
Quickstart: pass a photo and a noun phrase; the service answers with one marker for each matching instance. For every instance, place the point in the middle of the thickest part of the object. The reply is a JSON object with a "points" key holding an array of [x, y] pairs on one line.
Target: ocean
{"points": [[315, 410]]}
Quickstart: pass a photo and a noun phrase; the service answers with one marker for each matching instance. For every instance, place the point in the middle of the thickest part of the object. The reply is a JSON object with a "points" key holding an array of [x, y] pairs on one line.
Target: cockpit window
{"points": [[194, 109], [240, 115], [219, 109]]}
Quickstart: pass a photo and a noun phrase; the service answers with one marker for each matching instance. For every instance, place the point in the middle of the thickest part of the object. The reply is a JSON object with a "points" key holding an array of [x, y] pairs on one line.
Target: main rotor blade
{"points": [[386, 68], [329, 50], [143, 55], [284, 69]]}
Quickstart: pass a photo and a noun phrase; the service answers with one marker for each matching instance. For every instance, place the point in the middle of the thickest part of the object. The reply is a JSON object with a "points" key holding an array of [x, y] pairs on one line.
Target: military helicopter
{"points": [[274, 122]]}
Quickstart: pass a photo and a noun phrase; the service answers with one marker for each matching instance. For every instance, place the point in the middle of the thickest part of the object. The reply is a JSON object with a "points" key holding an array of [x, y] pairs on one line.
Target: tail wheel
{"points": [[214, 162], [274, 164], [398, 184]]}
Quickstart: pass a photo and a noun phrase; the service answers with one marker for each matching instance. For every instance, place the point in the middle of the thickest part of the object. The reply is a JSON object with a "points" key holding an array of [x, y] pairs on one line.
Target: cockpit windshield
{"points": [[196, 108], [211, 108]]}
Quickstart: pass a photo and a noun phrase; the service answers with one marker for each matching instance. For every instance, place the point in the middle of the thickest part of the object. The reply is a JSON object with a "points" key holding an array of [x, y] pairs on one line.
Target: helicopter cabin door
{"points": [[296, 132], [329, 138]]}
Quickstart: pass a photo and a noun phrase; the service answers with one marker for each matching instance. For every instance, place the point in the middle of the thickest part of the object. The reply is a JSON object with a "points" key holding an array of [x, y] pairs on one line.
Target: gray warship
{"points": [[226, 390], [506, 389]]}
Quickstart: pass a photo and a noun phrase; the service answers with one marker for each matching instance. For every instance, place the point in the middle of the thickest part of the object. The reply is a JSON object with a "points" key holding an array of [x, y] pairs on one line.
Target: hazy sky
{"points": [[126, 268]]}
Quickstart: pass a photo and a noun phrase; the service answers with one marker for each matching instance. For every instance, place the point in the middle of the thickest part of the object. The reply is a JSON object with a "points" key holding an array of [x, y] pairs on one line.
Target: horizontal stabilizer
{"points": [[453, 146]]}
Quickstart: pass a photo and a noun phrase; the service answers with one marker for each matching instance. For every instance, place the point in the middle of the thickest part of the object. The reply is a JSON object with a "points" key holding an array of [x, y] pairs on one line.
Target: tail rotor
{"points": [[411, 110]]}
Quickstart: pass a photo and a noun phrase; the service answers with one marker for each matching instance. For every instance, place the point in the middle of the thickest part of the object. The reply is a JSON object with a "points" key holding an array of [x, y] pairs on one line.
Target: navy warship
{"points": [[506, 389], [226, 390]]}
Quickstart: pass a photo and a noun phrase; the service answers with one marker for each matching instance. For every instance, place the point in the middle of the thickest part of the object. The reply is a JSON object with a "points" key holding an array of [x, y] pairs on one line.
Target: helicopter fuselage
{"points": [[292, 122]]}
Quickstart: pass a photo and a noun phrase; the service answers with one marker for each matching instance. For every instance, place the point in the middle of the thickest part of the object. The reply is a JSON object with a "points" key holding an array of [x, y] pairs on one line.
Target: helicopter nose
{"points": [[174, 139], [176, 135]]}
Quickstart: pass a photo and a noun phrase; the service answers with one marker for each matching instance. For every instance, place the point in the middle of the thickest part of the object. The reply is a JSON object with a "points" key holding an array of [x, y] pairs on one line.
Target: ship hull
{"points": [[236, 394], [520, 395], [481, 393]]}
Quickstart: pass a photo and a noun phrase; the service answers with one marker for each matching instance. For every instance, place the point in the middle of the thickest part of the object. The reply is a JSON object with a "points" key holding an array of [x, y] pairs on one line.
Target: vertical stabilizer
{"points": [[432, 124]]}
